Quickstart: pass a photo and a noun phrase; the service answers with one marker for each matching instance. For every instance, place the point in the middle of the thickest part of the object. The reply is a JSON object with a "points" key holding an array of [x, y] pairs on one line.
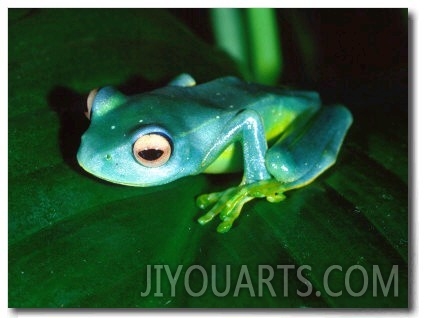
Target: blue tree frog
{"points": [[282, 138]]}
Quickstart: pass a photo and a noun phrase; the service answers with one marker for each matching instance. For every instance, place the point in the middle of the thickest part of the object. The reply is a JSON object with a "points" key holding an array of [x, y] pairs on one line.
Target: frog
{"points": [[280, 138]]}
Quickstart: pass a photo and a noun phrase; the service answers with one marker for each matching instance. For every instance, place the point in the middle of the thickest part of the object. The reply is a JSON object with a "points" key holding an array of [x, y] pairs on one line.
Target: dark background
{"points": [[352, 45]]}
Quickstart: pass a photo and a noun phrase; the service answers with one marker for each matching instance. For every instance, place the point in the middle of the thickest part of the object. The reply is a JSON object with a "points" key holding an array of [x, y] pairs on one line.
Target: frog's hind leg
{"points": [[297, 159], [294, 161]]}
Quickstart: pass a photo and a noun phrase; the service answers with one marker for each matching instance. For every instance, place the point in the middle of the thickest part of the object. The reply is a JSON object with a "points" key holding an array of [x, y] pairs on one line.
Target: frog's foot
{"points": [[229, 203]]}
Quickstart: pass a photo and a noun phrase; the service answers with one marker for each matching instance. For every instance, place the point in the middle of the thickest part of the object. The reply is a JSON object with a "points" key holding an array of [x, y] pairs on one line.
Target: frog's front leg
{"points": [[247, 128]]}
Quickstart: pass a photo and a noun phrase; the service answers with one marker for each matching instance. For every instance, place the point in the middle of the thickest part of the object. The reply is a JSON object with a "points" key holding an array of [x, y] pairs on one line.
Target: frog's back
{"points": [[231, 92], [278, 107]]}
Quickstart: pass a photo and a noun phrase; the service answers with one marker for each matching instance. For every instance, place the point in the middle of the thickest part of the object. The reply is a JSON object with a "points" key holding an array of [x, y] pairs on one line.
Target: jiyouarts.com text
{"points": [[266, 280]]}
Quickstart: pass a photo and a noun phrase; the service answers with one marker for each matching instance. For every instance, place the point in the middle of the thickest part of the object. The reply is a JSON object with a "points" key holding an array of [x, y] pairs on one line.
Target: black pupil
{"points": [[150, 154]]}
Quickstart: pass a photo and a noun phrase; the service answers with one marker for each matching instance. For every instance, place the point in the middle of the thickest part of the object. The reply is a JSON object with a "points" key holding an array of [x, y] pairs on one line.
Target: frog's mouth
{"points": [[95, 167], [105, 178], [111, 180]]}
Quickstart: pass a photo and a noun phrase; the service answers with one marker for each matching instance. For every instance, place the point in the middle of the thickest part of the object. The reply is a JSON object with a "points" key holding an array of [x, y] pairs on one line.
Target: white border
{"points": [[416, 162]]}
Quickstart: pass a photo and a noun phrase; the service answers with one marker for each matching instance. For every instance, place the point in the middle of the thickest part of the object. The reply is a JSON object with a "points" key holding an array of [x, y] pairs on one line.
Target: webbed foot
{"points": [[229, 203]]}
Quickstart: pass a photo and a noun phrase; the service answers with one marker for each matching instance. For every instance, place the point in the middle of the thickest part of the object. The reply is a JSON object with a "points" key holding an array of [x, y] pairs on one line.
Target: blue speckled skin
{"points": [[204, 120]]}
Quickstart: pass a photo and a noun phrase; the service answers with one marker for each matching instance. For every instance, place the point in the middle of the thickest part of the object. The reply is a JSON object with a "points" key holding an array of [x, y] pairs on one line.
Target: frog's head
{"points": [[122, 148]]}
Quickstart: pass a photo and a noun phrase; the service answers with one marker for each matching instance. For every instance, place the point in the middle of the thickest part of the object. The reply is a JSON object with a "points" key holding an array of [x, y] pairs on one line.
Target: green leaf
{"points": [[76, 241]]}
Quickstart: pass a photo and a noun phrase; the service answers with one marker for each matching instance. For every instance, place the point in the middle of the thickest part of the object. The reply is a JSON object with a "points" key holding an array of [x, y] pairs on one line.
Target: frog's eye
{"points": [[90, 100], [152, 150]]}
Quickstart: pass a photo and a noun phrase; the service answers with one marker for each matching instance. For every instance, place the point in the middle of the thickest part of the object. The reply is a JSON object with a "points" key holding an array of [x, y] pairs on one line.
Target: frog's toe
{"points": [[229, 203], [225, 226], [222, 204], [228, 206], [203, 201], [206, 200], [229, 216], [206, 218], [275, 197]]}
